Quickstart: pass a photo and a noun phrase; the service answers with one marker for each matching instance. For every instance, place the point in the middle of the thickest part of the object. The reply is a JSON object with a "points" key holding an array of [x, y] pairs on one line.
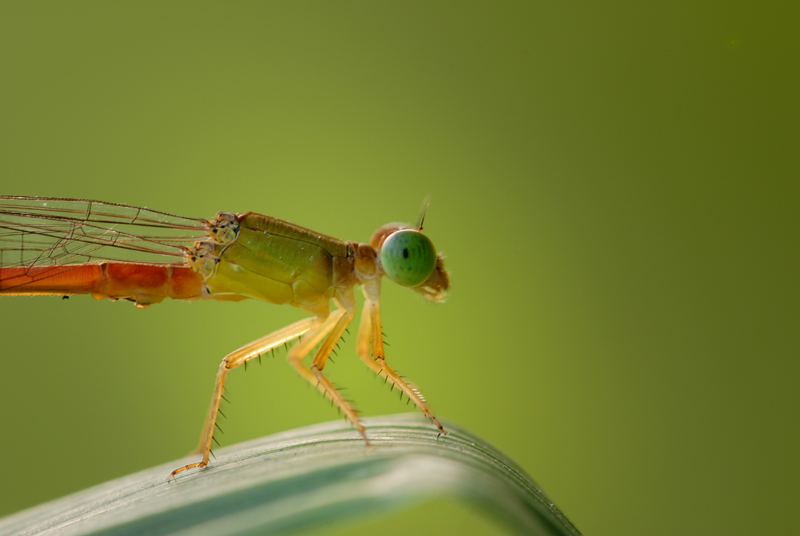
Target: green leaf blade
{"points": [[304, 478]]}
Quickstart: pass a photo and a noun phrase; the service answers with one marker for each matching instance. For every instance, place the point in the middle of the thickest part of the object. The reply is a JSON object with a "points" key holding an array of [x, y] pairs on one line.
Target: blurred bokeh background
{"points": [[616, 187]]}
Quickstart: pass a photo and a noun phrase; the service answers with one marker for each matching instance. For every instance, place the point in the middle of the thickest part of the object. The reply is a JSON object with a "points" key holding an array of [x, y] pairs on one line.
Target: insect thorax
{"points": [[204, 255]]}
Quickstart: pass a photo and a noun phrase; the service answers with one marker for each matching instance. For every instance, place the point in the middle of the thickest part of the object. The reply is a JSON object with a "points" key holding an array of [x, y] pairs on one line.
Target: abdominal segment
{"points": [[143, 283]]}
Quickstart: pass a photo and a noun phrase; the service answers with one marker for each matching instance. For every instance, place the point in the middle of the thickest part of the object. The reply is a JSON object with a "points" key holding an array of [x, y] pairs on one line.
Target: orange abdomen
{"points": [[143, 283]]}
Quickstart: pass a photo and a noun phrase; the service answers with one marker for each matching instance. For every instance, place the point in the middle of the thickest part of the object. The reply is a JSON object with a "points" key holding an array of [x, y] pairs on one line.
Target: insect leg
{"points": [[333, 327], [233, 360], [370, 328]]}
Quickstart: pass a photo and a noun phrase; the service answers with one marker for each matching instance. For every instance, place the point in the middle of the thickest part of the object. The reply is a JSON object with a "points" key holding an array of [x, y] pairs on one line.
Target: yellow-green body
{"points": [[276, 261], [70, 246], [256, 256]]}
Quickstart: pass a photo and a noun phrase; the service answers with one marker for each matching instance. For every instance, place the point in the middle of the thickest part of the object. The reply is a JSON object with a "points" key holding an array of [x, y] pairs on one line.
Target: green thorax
{"points": [[279, 262]]}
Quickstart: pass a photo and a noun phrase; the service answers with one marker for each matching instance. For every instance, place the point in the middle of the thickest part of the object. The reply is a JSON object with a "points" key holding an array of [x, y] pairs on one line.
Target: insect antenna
{"points": [[421, 218]]}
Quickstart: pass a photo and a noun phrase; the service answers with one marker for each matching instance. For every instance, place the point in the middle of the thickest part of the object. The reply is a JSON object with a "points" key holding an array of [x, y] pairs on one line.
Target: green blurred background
{"points": [[616, 188]]}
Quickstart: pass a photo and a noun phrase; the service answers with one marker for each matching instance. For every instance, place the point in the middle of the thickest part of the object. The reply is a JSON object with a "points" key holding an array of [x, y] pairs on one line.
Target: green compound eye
{"points": [[408, 257]]}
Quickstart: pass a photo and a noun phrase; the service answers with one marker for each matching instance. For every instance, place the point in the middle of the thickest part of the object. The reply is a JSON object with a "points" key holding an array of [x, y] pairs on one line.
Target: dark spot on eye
{"points": [[405, 253]]}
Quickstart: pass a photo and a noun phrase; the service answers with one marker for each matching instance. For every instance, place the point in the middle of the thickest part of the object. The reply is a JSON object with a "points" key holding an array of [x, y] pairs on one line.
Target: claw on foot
{"points": [[172, 475]]}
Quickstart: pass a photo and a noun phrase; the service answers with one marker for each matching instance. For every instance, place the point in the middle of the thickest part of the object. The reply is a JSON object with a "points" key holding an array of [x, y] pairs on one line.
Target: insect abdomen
{"points": [[143, 283]]}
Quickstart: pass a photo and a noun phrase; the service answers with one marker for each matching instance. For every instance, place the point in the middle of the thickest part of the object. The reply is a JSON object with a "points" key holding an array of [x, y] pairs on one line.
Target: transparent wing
{"points": [[50, 232]]}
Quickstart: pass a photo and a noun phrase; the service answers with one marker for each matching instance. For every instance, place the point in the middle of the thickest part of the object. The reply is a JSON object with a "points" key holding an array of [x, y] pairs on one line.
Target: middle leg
{"points": [[331, 330]]}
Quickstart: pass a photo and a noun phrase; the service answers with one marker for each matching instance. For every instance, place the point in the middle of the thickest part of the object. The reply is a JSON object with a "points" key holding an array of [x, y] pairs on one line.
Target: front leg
{"points": [[370, 328]]}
